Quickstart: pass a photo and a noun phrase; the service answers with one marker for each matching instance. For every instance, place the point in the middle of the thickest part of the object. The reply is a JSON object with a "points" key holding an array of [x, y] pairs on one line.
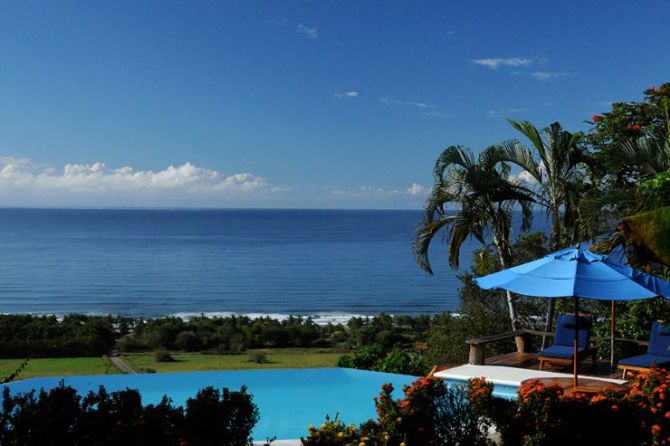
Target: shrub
{"points": [[367, 358], [163, 356], [431, 413], [546, 416], [401, 361], [62, 417], [258, 357], [221, 418], [334, 433]]}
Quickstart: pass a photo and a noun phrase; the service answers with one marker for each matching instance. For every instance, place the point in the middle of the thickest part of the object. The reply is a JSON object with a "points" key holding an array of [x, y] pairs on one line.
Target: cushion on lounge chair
{"points": [[565, 331], [560, 351], [659, 341], [645, 360]]}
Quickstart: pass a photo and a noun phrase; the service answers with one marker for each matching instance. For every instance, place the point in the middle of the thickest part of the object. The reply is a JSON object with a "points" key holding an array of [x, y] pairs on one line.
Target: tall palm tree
{"points": [[487, 199], [553, 163]]}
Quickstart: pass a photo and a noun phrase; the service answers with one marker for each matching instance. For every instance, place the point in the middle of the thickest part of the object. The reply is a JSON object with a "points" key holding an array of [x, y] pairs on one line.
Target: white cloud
{"points": [[497, 62], [437, 114], [506, 112], [369, 191], [547, 76], [82, 184], [421, 105], [346, 94], [307, 31], [415, 189]]}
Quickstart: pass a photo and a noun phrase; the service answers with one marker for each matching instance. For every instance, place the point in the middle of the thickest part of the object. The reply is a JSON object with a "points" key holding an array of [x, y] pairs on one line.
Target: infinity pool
{"points": [[288, 400]]}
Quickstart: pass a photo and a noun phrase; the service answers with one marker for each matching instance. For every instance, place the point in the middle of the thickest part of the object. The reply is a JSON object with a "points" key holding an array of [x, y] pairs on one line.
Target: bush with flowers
{"points": [[636, 415], [430, 414], [333, 432]]}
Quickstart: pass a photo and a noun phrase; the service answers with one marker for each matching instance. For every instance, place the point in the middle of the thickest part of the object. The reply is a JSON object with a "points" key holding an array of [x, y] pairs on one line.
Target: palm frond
{"points": [[529, 131], [422, 238], [515, 152], [453, 155]]}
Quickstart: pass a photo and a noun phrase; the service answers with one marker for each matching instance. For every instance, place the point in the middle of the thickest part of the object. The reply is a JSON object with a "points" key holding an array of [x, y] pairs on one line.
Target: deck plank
{"points": [[529, 361]]}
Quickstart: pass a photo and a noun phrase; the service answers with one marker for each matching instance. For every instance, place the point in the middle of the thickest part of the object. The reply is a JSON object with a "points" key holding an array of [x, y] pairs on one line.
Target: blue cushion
{"points": [[659, 343], [565, 331], [560, 351], [645, 360]]}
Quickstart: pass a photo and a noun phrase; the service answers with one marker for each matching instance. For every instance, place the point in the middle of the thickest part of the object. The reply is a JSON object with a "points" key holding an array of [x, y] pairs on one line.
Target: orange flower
{"points": [[596, 118]]}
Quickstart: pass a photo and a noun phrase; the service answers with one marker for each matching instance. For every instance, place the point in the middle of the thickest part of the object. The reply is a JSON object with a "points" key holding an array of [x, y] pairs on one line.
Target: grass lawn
{"points": [[57, 366], [276, 359]]}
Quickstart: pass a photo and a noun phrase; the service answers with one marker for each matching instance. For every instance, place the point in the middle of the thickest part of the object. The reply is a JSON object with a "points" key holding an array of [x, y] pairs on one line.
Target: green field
{"points": [[57, 367], [184, 362], [276, 359]]}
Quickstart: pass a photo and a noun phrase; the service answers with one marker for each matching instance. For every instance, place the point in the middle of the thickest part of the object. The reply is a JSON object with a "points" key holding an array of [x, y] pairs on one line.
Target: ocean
{"points": [[328, 264]]}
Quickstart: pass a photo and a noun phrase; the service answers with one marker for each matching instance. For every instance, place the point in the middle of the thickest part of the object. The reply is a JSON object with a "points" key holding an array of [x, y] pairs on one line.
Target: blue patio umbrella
{"points": [[577, 273]]}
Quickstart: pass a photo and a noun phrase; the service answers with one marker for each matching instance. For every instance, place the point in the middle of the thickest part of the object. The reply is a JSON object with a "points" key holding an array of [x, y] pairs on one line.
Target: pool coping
{"points": [[506, 376]]}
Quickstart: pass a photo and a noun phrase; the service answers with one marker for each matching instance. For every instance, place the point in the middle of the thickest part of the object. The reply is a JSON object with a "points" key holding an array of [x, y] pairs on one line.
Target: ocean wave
{"points": [[318, 318]]}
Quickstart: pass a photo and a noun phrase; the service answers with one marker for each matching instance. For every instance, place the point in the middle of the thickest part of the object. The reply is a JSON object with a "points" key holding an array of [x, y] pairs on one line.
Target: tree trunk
{"points": [[505, 262], [555, 243]]}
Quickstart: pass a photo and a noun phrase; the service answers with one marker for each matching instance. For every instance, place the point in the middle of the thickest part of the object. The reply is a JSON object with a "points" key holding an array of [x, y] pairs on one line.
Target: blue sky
{"points": [[321, 104]]}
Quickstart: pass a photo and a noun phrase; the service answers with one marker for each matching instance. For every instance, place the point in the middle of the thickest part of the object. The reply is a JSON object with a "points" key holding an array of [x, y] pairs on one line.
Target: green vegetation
{"points": [[610, 184], [431, 413], [275, 359], [61, 416], [58, 367], [47, 336]]}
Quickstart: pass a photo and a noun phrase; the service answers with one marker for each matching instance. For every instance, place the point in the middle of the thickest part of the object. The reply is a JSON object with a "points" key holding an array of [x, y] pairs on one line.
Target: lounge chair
{"points": [[562, 351], [657, 352]]}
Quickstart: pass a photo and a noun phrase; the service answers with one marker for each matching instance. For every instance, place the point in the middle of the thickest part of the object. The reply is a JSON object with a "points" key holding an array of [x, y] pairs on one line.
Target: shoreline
{"points": [[323, 318]]}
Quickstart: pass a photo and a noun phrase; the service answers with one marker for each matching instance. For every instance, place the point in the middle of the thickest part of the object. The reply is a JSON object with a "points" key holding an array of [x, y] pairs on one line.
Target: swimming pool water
{"points": [[288, 400], [499, 390]]}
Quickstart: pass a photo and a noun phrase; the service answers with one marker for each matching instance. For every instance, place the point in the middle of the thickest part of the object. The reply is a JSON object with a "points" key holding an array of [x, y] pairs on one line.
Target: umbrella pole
{"points": [[612, 331], [574, 352]]}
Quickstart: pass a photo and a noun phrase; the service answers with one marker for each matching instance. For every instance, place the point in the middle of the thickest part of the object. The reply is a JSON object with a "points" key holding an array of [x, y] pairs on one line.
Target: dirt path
{"points": [[120, 364]]}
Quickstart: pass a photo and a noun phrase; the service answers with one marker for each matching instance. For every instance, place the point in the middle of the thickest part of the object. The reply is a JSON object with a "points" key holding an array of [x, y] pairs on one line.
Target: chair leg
{"points": [[541, 364], [593, 362]]}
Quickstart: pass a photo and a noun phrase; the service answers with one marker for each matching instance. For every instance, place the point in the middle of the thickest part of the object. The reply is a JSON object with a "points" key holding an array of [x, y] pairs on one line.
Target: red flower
{"points": [[596, 118]]}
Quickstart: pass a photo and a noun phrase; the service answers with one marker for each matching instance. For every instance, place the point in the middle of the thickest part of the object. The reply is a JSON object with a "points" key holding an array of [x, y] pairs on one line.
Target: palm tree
{"points": [[553, 164], [487, 199]]}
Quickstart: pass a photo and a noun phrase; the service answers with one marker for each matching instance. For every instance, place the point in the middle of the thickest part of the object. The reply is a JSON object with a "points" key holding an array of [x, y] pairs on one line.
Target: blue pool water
{"points": [[288, 400], [499, 390]]}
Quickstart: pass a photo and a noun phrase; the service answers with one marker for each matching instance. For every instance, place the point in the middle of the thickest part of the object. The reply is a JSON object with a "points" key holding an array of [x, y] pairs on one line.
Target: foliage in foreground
{"points": [[546, 416], [434, 414], [62, 417], [430, 414]]}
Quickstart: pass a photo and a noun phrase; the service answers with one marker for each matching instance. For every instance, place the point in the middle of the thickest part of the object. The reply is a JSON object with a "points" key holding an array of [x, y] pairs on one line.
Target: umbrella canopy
{"points": [[578, 273]]}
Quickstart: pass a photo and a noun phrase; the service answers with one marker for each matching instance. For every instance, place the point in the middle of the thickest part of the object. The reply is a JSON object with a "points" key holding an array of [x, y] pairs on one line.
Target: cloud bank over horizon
{"points": [[24, 182]]}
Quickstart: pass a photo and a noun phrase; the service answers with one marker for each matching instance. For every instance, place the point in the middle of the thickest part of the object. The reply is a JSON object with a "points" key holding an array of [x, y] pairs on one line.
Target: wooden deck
{"points": [[529, 361]]}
